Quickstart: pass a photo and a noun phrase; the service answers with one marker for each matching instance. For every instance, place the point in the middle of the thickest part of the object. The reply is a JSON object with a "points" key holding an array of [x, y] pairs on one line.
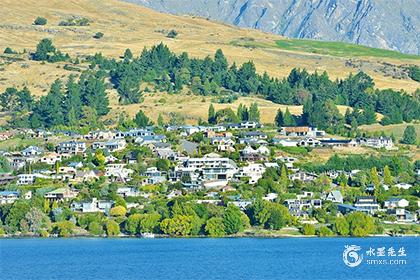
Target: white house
{"points": [[253, 171], [404, 186], [51, 158], [396, 202]]}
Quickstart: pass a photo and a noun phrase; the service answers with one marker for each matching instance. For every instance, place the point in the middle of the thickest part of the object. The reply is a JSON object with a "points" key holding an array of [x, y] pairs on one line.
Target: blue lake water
{"points": [[236, 258]]}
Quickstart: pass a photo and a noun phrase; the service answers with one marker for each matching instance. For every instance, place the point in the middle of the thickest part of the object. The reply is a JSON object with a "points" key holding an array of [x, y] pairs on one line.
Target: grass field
{"points": [[126, 25], [339, 49], [396, 129]]}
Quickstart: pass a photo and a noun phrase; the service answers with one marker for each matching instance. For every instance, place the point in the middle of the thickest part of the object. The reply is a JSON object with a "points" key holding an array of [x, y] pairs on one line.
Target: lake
{"points": [[205, 258]]}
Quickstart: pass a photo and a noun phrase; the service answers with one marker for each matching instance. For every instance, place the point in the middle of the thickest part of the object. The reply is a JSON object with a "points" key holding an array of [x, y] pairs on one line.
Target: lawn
{"points": [[339, 49]]}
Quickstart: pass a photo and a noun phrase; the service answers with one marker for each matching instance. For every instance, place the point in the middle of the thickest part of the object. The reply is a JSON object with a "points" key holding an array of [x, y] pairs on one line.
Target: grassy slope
{"points": [[340, 49], [130, 26]]}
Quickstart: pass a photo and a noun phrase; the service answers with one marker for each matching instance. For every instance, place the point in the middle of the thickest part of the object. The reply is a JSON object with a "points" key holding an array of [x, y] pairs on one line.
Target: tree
{"points": [[360, 224], [232, 220], [37, 220], [308, 229], [388, 180], [160, 120], [215, 227], [341, 226], [92, 87], [118, 211], [172, 34], [179, 225], [409, 136], [149, 222], [226, 115], [112, 228], [163, 164], [288, 119], [98, 35], [279, 120], [211, 115], [279, 217], [254, 113], [133, 224], [325, 231], [374, 178], [63, 228], [141, 119], [96, 228], [40, 21], [15, 215]]}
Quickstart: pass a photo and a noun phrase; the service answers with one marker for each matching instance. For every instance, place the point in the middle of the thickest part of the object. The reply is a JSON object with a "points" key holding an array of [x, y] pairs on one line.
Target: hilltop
{"points": [[127, 25]]}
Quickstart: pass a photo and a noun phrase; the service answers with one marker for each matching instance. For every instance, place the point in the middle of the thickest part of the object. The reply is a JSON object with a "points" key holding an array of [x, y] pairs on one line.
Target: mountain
{"points": [[393, 25]]}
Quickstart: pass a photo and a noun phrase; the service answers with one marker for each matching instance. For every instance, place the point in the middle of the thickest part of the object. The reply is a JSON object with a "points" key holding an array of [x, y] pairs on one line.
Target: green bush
{"points": [[40, 21]]}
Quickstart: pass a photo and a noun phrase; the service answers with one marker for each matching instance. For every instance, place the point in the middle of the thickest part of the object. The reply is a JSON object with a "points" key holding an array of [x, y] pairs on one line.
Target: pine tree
{"points": [[211, 115], [409, 136], [254, 113], [160, 120], [72, 102], [141, 119], [279, 120], [374, 178], [288, 119], [93, 92]]}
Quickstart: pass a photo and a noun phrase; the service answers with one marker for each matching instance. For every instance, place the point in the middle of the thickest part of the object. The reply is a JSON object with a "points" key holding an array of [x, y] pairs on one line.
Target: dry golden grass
{"points": [[130, 26]]}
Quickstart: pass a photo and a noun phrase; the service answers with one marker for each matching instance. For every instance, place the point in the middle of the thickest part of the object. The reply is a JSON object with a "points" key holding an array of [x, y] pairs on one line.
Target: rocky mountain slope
{"points": [[393, 25]]}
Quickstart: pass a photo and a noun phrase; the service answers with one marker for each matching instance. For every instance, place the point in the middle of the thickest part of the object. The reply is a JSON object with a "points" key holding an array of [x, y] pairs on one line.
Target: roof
{"points": [[296, 129], [7, 193]]}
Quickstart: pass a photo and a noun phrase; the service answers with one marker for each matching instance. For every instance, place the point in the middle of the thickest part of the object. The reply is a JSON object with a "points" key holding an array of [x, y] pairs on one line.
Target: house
{"points": [[4, 135], [6, 178], [285, 142], [71, 147], [61, 194], [250, 154], [255, 135], [51, 158], [404, 186], [402, 215], [241, 204], [338, 142], [173, 194], [301, 131], [85, 176], [396, 202], [92, 206], [118, 172], [32, 151], [252, 141], [189, 147], [334, 196], [76, 165], [253, 171], [8, 197], [303, 176], [309, 142], [100, 135], [128, 192], [164, 153], [111, 146], [150, 139], [366, 204], [270, 197], [299, 207], [378, 143], [154, 176], [29, 179], [134, 133]]}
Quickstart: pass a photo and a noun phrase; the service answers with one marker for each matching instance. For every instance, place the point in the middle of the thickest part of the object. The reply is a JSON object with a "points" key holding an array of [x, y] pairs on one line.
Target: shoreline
{"points": [[157, 236]]}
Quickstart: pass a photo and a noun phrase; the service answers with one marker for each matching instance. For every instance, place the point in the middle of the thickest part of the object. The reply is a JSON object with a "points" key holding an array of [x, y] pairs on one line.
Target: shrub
{"points": [[98, 35], [96, 228], [172, 34], [308, 229], [40, 21], [9, 50]]}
